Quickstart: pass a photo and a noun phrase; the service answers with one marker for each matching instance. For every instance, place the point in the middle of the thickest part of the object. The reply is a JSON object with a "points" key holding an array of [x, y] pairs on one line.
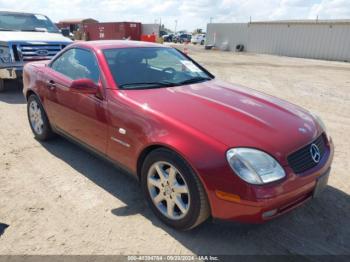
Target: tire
{"points": [[2, 85], [194, 203], [38, 121], [239, 48]]}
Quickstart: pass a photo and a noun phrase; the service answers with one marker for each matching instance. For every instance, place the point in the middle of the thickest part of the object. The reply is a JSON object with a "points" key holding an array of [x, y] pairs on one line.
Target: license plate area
{"points": [[321, 183]]}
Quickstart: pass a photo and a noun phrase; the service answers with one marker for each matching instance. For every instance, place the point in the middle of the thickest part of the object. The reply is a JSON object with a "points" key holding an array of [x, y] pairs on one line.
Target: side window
{"points": [[77, 63], [61, 64]]}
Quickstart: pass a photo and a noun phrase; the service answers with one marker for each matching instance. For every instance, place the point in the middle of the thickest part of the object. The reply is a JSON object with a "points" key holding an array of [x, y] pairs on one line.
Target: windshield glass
{"points": [[26, 22], [149, 67]]}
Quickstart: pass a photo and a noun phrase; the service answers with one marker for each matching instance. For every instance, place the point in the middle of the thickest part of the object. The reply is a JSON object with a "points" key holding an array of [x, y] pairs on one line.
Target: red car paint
{"points": [[199, 121]]}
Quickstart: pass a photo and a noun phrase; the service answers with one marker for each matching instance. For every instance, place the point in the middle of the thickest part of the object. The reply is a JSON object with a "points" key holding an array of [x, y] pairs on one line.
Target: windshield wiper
{"points": [[143, 85], [194, 80]]}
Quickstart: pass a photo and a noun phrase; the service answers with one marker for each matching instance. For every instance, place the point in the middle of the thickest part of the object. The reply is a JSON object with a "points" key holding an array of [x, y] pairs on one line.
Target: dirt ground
{"points": [[58, 199]]}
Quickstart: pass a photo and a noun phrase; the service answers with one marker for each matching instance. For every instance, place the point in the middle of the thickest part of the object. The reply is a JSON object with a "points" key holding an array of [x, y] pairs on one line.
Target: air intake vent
{"points": [[34, 52], [15, 53]]}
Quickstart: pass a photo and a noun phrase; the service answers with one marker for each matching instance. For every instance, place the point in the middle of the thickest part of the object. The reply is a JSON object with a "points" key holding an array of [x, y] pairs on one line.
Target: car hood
{"points": [[17, 36], [233, 115]]}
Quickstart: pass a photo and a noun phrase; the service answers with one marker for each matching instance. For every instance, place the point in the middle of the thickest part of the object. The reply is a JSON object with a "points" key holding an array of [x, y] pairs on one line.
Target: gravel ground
{"points": [[56, 198]]}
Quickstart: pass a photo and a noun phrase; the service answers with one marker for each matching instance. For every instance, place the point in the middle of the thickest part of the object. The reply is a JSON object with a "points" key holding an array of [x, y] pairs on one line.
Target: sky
{"points": [[189, 14]]}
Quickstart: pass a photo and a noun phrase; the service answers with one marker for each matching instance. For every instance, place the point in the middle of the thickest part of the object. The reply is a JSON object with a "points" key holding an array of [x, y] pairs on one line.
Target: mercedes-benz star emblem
{"points": [[315, 153]]}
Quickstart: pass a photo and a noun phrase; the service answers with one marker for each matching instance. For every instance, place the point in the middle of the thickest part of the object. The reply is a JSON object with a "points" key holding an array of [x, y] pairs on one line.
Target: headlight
{"points": [[5, 55], [319, 121], [254, 166]]}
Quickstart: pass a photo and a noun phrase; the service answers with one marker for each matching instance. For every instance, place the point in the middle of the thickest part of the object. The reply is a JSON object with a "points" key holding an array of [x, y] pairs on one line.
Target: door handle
{"points": [[51, 84]]}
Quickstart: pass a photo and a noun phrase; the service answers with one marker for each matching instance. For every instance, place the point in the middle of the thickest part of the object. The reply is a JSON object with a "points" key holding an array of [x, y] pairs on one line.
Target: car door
{"points": [[81, 116]]}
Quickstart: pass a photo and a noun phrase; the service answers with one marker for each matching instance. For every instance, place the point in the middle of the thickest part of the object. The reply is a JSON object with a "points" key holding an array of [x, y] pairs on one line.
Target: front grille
{"points": [[35, 52], [301, 160]]}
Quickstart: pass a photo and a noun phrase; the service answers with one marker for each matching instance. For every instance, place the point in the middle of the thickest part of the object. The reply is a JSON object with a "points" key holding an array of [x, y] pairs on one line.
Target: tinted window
{"points": [[76, 64], [26, 22], [149, 67]]}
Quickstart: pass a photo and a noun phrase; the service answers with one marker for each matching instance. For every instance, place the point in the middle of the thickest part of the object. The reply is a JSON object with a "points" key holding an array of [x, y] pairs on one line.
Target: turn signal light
{"points": [[228, 196]]}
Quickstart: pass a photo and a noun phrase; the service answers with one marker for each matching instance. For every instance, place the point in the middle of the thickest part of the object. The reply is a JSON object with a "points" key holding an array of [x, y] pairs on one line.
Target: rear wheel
{"points": [[173, 190], [38, 120], [2, 85]]}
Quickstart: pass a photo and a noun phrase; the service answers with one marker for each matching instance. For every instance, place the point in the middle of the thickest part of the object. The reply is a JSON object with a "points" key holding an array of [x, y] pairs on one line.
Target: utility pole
{"points": [[211, 19], [175, 26]]}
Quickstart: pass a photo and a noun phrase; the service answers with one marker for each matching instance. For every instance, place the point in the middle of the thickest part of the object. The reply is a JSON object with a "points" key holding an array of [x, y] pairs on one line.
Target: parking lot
{"points": [[59, 199]]}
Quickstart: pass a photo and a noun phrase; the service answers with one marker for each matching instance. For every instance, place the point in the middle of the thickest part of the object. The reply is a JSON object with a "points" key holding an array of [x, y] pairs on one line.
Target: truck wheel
{"points": [[38, 120], [2, 85], [173, 190]]}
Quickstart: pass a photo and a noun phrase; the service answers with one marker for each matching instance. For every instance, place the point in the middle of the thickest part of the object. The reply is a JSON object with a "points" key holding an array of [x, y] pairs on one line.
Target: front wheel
{"points": [[173, 190], [38, 120]]}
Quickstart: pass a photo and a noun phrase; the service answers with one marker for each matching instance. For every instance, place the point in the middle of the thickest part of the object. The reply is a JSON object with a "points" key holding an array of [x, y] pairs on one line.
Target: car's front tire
{"points": [[173, 190], [38, 121]]}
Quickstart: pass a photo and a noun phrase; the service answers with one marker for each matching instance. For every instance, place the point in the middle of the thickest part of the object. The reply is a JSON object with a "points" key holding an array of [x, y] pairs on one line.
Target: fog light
{"points": [[269, 213]]}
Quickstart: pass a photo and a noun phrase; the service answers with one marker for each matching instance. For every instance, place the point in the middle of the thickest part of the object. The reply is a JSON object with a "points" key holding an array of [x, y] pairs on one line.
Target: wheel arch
{"points": [[150, 148], [29, 93]]}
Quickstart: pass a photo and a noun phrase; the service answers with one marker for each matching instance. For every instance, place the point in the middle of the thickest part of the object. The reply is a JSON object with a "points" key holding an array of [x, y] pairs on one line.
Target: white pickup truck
{"points": [[198, 39], [24, 38]]}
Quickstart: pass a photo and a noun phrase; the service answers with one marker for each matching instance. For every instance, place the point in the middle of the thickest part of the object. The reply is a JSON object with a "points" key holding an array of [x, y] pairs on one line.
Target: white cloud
{"points": [[189, 14], [331, 9]]}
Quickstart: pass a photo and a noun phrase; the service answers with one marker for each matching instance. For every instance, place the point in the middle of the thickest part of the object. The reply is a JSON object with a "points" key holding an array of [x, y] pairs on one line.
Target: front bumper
{"points": [[254, 211], [11, 71]]}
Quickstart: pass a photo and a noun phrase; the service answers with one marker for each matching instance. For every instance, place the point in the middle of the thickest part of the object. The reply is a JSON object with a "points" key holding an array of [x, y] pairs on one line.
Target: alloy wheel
{"points": [[168, 190], [35, 116]]}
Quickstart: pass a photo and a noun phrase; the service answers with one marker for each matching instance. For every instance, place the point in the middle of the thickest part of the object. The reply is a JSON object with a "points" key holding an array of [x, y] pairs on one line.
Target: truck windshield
{"points": [[26, 22]]}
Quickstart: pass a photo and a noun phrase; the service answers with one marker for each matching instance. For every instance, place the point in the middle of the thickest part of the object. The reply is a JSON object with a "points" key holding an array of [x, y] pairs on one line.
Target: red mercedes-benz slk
{"points": [[199, 147]]}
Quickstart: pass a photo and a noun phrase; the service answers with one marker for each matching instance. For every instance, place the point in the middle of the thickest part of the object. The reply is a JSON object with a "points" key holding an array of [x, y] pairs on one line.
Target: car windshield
{"points": [[26, 22], [153, 67]]}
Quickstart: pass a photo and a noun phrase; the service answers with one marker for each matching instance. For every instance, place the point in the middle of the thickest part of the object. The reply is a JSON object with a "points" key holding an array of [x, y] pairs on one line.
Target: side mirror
{"points": [[84, 86]]}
